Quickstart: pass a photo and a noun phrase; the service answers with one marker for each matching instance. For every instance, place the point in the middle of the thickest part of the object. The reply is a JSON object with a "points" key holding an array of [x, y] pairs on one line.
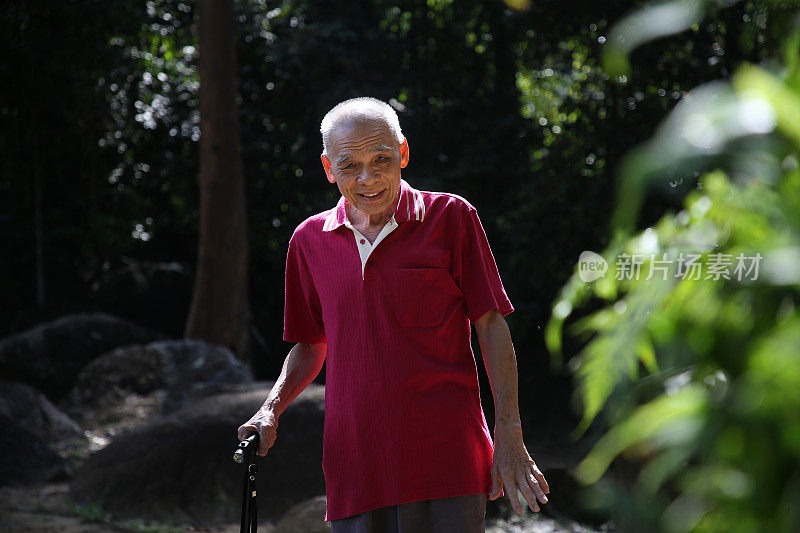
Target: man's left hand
{"points": [[513, 468]]}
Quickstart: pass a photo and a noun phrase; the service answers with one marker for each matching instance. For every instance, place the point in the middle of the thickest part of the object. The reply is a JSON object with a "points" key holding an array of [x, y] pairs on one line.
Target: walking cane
{"points": [[246, 454]]}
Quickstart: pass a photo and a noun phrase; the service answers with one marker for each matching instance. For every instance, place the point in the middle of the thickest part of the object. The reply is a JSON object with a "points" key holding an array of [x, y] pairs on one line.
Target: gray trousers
{"points": [[459, 514]]}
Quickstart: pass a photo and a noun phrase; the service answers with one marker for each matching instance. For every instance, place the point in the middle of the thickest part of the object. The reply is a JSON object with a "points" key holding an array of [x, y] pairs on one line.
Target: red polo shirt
{"points": [[403, 417]]}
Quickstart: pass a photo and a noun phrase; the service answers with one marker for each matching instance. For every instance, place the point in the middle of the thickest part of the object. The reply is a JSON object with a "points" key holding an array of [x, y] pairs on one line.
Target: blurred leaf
{"points": [[647, 354], [668, 419], [762, 88], [612, 353], [519, 5], [647, 24]]}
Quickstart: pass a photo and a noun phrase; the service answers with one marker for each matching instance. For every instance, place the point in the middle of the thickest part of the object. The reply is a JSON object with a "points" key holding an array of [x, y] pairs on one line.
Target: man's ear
{"points": [[405, 154], [326, 165]]}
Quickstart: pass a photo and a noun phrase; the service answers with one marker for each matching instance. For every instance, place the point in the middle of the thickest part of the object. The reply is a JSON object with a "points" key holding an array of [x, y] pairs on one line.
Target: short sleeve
{"points": [[476, 270], [302, 319]]}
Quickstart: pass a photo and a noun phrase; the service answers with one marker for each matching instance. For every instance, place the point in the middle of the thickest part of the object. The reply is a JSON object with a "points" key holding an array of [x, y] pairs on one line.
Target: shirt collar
{"points": [[410, 206]]}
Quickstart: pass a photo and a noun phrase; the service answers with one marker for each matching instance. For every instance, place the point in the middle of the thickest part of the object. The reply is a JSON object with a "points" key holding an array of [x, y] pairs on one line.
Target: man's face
{"points": [[364, 160]]}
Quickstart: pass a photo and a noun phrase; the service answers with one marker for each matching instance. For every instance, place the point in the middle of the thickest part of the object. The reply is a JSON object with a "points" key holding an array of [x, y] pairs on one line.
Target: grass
{"points": [[144, 527], [91, 512]]}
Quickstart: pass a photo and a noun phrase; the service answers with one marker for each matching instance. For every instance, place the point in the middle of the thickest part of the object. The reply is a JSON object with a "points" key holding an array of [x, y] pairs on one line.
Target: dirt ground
{"points": [[46, 508]]}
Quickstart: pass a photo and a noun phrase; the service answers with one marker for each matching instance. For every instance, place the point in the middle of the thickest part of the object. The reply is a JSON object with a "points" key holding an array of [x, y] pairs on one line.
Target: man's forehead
{"points": [[372, 136], [346, 152]]}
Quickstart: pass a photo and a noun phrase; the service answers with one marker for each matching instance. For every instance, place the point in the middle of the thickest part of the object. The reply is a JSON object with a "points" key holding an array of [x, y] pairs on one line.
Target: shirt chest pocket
{"points": [[420, 296]]}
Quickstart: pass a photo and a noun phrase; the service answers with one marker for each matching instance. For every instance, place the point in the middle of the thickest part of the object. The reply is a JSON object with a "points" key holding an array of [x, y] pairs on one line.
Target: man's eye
{"points": [[348, 166], [382, 158]]}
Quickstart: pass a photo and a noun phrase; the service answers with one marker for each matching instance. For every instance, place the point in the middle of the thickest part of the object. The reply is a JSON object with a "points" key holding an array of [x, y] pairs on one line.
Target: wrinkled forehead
{"points": [[358, 132]]}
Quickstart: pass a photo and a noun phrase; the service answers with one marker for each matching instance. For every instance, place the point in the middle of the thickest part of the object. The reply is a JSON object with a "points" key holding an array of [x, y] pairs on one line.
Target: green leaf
{"points": [[665, 419], [647, 24], [647, 354], [608, 358], [754, 82]]}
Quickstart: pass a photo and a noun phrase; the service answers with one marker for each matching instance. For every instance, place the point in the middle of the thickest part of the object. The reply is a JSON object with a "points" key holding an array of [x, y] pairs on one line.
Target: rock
{"points": [[180, 469], [538, 523], [50, 356], [25, 457], [131, 384], [307, 516], [31, 409], [31, 429]]}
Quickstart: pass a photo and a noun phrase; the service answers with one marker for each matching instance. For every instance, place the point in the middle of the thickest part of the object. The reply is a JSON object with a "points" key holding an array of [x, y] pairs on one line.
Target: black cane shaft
{"points": [[246, 453], [252, 470], [245, 505]]}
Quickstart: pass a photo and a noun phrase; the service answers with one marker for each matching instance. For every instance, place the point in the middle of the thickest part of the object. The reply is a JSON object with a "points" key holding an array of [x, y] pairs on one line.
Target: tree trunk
{"points": [[220, 310]]}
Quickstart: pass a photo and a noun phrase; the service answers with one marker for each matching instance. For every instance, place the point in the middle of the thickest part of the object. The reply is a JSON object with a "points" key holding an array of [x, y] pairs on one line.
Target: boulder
{"points": [[307, 516], [30, 427], [50, 356], [179, 468], [25, 457], [30, 408], [133, 383], [539, 523]]}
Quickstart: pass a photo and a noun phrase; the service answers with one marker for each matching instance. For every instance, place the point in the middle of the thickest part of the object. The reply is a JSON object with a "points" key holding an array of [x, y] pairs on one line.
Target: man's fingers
{"points": [[268, 436], [527, 493], [245, 430], [266, 426], [533, 483], [511, 491], [540, 478]]}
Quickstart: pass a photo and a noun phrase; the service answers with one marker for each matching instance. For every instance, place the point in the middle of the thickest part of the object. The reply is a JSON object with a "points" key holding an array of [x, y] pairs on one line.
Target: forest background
{"points": [[513, 109]]}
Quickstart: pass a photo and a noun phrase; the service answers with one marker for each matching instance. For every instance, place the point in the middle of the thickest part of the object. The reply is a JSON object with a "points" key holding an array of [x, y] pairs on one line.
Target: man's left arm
{"points": [[512, 466]]}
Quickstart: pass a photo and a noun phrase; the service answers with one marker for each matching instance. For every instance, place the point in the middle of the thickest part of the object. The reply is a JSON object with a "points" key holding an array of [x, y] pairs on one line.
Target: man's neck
{"points": [[362, 220]]}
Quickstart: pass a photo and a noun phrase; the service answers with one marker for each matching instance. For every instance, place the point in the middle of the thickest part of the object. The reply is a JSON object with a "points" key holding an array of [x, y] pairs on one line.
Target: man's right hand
{"points": [[265, 423]]}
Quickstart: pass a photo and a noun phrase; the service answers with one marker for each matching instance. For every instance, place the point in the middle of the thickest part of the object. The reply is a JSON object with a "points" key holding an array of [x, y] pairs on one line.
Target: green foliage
{"points": [[91, 512], [149, 527], [697, 372]]}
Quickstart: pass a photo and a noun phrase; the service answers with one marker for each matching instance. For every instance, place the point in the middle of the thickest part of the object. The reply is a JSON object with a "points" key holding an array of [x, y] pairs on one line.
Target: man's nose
{"points": [[366, 175]]}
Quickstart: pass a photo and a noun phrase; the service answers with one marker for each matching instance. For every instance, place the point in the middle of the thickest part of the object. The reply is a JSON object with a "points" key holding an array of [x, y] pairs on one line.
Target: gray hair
{"points": [[357, 110]]}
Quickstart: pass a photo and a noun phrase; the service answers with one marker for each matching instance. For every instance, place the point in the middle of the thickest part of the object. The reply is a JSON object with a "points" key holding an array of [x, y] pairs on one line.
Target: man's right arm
{"points": [[299, 369]]}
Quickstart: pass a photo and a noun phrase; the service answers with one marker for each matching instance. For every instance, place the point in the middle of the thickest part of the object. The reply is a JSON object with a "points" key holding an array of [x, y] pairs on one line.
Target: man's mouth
{"points": [[371, 194]]}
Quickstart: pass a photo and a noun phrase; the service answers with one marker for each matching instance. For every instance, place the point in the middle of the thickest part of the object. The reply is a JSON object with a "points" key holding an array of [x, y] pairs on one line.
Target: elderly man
{"points": [[384, 286]]}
